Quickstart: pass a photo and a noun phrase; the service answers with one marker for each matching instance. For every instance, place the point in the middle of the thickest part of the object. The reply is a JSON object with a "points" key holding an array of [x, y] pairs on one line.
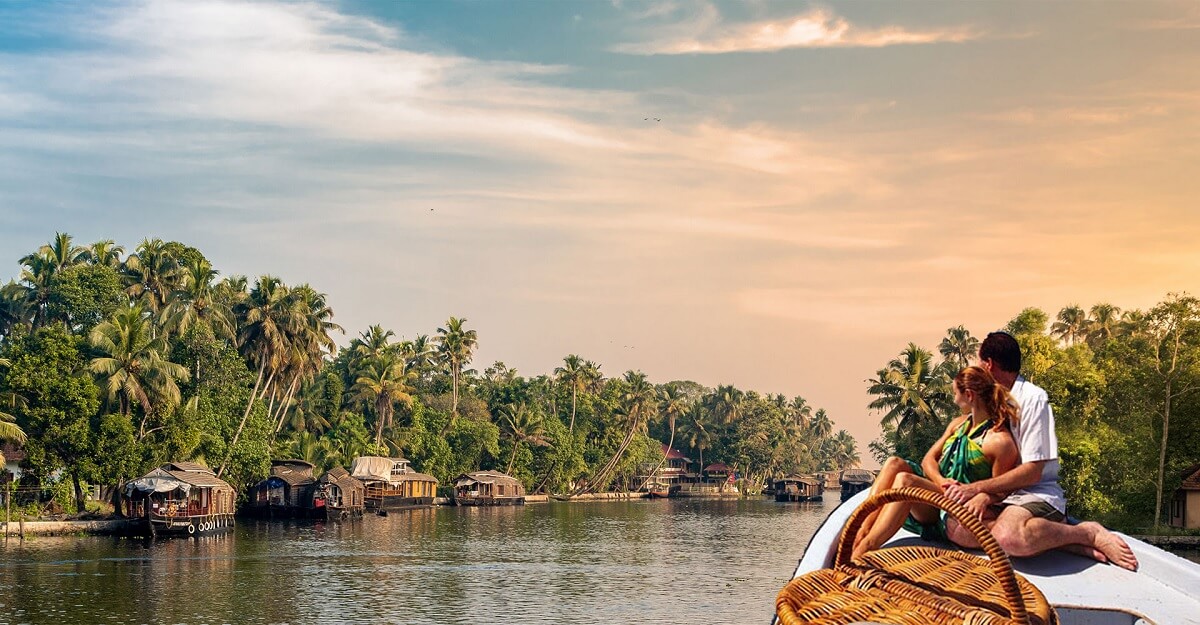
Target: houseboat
{"points": [[391, 484], [339, 495], [799, 488], [488, 488], [287, 493], [854, 481], [180, 499], [717, 480]]}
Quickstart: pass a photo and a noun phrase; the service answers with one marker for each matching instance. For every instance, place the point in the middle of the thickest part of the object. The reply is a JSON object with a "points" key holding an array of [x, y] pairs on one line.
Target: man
{"points": [[1032, 506]]}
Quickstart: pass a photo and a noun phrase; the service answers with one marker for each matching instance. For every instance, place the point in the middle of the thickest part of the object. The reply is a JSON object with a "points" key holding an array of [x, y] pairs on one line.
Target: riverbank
{"points": [[21, 529]]}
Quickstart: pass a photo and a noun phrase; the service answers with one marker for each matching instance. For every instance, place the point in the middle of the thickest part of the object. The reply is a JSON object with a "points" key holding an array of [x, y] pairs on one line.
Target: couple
{"points": [[1000, 460]]}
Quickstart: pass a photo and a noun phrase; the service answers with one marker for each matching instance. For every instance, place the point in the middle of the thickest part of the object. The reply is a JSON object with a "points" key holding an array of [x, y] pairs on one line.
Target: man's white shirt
{"points": [[1037, 441]]}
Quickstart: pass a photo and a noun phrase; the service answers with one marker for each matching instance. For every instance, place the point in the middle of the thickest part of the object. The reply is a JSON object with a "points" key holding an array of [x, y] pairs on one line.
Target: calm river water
{"points": [[679, 561]]}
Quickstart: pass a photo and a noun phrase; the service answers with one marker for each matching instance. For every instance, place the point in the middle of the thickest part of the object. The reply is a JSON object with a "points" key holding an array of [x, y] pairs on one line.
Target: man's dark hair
{"points": [[1002, 349]]}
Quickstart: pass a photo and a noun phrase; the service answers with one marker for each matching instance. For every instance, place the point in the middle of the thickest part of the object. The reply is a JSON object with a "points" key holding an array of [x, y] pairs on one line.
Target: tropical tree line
{"points": [[113, 362], [1123, 386]]}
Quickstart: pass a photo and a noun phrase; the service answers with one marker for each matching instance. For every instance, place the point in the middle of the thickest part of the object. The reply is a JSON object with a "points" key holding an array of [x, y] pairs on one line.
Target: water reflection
{"points": [[664, 561]]}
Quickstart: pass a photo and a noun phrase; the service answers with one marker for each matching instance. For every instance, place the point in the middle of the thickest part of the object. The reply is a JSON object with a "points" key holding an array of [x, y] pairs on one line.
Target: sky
{"points": [[775, 195]]}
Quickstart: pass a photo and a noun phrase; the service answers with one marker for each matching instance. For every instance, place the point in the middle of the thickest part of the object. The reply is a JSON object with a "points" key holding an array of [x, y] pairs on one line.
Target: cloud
{"points": [[817, 28]]}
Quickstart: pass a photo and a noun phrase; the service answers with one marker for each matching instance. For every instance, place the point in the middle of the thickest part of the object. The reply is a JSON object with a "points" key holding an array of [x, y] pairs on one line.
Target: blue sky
{"points": [[825, 181]]}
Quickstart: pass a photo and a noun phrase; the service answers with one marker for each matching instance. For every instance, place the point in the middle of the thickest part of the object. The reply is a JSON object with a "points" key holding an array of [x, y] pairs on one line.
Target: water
{"points": [[662, 561]]}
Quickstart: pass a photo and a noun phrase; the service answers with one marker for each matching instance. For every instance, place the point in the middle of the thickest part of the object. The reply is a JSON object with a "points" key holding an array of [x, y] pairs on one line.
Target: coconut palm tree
{"points": [[696, 431], [820, 426], [726, 403], [9, 430], [106, 253], [959, 347], [132, 366], [799, 411], [196, 300], [672, 406], [381, 382], [910, 389], [1104, 323], [61, 252], [14, 307], [573, 373], [152, 274], [637, 396], [456, 344], [1071, 325], [522, 425]]}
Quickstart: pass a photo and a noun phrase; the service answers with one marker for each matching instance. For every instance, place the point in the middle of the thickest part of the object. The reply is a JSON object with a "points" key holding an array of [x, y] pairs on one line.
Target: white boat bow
{"points": [[1165, 590]]}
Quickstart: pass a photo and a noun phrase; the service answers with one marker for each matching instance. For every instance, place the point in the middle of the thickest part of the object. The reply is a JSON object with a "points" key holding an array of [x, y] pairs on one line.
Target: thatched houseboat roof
{"points": [[181, 475], [802, 479], [342, 478], [484, 477], [857, 476]]}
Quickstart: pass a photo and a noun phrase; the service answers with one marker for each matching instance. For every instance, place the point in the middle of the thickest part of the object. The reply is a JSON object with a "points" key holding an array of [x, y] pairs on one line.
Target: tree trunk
{"points": [[663, 460], [80, 501], [1162, 457], [571, 429], [245, 415], [512, 458], [283, 406]]}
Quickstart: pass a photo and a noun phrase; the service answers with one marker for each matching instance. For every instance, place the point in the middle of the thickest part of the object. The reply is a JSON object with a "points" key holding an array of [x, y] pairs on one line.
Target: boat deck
{"points": [[1165, 590]]}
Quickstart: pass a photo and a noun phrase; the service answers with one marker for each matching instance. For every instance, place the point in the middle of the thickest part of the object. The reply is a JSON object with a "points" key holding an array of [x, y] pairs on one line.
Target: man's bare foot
{"points": [[1086, 551], [1116, 550]]}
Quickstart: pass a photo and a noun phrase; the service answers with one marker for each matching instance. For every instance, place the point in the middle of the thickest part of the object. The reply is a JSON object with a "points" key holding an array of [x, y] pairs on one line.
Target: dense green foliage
{"points": [[114, 365], [1123, 387]]}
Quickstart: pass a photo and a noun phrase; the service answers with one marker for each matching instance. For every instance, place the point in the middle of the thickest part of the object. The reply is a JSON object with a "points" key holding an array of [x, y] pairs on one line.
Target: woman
{"points": [[975, 446]]}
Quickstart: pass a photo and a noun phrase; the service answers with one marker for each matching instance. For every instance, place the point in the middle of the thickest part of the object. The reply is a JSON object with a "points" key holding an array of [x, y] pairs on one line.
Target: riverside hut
{"points": [[392, 484], [180, 499], [488, 488], [287, 493], [1185, 504], [339, 495]]}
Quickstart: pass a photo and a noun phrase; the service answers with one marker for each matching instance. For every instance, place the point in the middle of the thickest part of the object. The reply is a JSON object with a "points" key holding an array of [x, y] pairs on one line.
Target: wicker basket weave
{"points": [[915, 585]]}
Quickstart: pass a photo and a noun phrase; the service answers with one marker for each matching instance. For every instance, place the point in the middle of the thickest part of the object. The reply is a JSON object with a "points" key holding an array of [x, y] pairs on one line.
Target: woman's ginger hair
{"points": [[996, 399]]}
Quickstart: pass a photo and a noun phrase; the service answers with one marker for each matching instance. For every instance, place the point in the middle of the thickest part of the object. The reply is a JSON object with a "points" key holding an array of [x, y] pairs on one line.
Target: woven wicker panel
{"points": [[915, 585]]}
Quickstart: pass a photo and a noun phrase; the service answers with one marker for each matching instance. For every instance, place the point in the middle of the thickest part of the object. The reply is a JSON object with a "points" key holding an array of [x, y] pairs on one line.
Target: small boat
{"points": [[339, 495], [286, 494], [488, 488], [799, 488], [179, 499], [1165, 590], [661, 490], [854, 481]]}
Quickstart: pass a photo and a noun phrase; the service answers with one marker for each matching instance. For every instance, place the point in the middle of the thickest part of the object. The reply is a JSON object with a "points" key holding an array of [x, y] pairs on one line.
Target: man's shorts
{"points": [[1043, 510]]}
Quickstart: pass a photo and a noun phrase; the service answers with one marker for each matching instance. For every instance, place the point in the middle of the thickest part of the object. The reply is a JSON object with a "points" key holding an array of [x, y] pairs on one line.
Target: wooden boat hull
{"points": [[489, 501], [397, 502], [182, 526], [793, 497]]}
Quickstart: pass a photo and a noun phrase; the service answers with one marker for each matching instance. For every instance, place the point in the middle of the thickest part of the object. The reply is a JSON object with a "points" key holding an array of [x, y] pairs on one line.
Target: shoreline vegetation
{"points": [[114, 363]]}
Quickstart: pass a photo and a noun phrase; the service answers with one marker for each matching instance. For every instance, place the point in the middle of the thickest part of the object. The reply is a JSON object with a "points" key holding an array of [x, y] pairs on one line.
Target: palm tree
{"points": [[726, 403], [381, 382], [638, 394], [799, 411], [697, 431], [522, 425], [372, 342], [845, 451], [61, 252], [573, 373], [1104, 323], [36, 272], [152, 274], [1071, 325], [14, 307], [196, 300], [106, 253], [132, 365], [456, 345], [9, 430], [959, 347], [820, 426], [672, 405], [911, 389], [309, 342]]}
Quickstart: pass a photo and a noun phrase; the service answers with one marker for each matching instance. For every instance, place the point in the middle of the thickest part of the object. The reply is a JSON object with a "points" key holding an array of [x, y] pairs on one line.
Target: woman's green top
{"points": [[963, 461]]}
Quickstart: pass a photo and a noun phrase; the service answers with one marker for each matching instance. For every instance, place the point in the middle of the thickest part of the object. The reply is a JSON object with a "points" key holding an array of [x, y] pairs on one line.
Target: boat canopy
{"points": [[156, 481]]}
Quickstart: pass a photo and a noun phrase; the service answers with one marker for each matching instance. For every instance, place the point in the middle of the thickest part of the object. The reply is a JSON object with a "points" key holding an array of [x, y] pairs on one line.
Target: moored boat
{"points": [[180, 499], [1163, 591], [799, 488], [391, 484], [287, 493], [339, 495], [854, 481], [488, 488]]}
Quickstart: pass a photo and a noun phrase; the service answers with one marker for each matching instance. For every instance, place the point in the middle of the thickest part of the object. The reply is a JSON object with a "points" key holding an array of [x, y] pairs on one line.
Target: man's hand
{"points": [[962, 493], [978, 505]]}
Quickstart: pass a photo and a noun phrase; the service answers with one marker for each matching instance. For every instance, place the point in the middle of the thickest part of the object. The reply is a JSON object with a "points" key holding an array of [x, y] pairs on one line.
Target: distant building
{"points": [[1185, 505]]}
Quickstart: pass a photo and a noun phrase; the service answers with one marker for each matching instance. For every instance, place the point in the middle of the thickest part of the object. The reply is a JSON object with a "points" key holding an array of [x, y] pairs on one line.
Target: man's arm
{"points": [[998, 487]]}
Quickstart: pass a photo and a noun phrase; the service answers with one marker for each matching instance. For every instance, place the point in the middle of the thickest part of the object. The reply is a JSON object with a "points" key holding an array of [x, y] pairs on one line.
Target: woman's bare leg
{"points": [[886, 479], [891, 517]]}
